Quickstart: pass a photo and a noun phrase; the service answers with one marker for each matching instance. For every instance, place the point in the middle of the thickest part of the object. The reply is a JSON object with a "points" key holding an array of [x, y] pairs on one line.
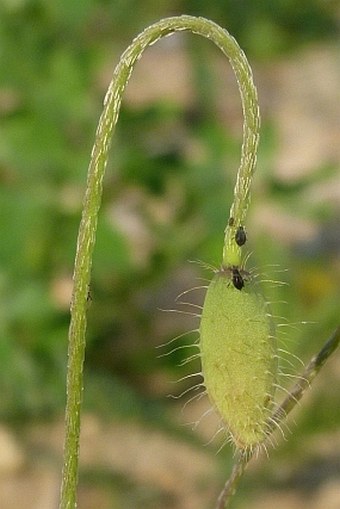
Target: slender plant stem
{"points": [[241, 461], [304, 382], [88, 225], [296, 393]]}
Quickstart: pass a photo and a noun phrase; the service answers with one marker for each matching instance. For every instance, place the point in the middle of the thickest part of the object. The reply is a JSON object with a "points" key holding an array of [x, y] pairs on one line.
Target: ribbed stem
{"points": [[240, 464], [88, 225]]}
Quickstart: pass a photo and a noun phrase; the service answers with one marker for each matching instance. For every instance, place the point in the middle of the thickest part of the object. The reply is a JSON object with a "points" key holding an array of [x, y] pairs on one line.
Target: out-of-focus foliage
{"points": [[166, 195], [166, 199], [268, 28], [51, 91]]}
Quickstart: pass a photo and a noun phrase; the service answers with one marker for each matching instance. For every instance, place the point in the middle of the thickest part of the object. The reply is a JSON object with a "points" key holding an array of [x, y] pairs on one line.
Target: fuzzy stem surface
{"points": [[88, 226]]}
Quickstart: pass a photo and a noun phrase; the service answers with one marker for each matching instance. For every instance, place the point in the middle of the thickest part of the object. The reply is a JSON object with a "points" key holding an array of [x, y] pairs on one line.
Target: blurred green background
{"points": [[166, 199]]}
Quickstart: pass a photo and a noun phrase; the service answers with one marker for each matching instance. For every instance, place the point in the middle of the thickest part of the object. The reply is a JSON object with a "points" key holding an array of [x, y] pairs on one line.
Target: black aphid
{"points": [[240, 236], [237, 279]]}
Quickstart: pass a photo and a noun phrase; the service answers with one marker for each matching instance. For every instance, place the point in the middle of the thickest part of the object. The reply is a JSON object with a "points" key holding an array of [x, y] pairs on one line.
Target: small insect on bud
{"points": [[237, 279], [239, 358], [240, 236]]}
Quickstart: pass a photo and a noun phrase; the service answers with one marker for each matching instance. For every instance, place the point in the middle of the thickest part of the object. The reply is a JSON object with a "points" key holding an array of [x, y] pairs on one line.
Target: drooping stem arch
{"points": [[87, 230]]}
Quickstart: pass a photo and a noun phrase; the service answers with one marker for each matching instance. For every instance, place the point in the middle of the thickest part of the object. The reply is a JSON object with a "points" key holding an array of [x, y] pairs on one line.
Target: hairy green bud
{"points": [[239, 357]]}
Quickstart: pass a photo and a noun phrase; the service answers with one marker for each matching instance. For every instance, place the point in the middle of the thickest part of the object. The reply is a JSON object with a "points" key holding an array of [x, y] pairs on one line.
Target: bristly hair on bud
{"points": [[239, 358]]}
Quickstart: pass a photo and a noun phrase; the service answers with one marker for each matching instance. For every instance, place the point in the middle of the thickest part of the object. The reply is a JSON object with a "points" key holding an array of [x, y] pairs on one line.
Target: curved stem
{"points": [[88, 225]]}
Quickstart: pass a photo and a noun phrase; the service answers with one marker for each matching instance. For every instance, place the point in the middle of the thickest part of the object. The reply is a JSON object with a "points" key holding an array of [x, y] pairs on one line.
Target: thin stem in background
{"points": [[296, 393], [88, 226], [240, 464]]}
